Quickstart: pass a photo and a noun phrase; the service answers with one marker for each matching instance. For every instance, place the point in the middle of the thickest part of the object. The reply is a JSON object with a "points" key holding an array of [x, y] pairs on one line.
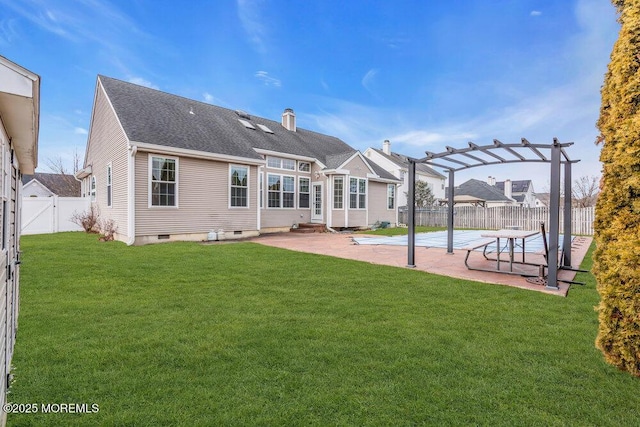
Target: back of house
{"points": [[164, 167]]}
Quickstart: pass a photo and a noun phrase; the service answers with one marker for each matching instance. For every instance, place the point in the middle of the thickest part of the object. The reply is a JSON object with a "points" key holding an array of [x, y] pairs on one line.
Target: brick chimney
{"points": [[289, 120], [507, 188], [386, 147]]}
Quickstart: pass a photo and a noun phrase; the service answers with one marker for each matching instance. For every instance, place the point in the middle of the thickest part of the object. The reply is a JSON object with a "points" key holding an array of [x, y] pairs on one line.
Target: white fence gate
{"points": [[42, 215]]}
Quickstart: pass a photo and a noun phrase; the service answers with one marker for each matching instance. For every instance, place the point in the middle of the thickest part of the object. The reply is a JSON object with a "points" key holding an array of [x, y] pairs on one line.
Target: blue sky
{"points": [[423, 74]]}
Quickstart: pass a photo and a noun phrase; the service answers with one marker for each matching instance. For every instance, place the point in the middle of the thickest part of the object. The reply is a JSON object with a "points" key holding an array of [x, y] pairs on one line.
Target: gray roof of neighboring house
{"points": [[403, 161], [481, 190], [516, 186], [155, 117], [62, 185]]}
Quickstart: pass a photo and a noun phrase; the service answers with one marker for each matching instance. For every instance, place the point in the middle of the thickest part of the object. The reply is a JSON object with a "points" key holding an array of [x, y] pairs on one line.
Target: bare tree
{"points": [[584, 191], [59, 166]]}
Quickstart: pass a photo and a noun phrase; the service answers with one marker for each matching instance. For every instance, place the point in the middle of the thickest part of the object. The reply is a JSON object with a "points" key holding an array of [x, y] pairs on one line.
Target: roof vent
{"points": [[243, 114]]}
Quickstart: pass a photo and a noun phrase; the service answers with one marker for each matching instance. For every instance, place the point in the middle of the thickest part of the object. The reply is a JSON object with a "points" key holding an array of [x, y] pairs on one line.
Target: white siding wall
{"points": [[108, 144]]}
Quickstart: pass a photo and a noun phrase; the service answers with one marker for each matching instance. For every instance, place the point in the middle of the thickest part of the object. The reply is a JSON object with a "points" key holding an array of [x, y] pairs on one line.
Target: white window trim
{"points": [[281, 191], [231, 166], [395, 196], [150, 180], [308, 193], [300, 162], [358, 193], [109, 180], [93, 185], [281, 162], [333, 193]]}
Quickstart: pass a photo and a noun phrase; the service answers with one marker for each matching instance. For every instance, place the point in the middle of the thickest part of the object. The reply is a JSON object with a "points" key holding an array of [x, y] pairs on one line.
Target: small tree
{"points": [[584, 191], [424, 195], [617, 223]]}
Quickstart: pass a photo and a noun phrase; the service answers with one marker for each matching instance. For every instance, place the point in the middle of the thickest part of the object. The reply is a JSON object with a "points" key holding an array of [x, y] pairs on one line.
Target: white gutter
{"points": [[184, 152], [131, 195]]}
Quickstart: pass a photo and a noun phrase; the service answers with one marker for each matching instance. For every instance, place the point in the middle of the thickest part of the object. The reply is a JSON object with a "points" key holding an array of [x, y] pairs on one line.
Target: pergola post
{"points": [[411, 215], [566, 242], [554, 217], [450, 213]]}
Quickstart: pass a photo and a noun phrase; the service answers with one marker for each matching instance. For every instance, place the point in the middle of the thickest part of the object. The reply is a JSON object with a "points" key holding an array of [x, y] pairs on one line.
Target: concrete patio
{"points": [[432, 260]]}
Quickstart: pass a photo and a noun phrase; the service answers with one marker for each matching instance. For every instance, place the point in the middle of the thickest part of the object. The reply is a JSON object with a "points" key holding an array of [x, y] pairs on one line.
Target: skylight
{"points": [[264, 128], [246, 124]]}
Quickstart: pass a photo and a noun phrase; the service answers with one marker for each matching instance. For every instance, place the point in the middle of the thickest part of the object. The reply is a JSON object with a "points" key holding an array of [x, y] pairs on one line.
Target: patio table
{"points": [[511, 236]]}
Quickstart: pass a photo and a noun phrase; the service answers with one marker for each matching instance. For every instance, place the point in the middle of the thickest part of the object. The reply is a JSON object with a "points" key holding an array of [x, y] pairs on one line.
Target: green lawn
{"points": [[243, 334]]}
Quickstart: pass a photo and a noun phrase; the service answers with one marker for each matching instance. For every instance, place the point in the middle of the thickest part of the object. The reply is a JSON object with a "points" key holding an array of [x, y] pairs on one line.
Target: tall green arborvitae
{"points": [[617, 225]]}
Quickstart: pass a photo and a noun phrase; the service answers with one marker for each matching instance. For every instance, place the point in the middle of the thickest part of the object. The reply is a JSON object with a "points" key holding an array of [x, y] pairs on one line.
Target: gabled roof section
{"points": [[481, 190], [62, 185], [154, 117], [403, 161]]}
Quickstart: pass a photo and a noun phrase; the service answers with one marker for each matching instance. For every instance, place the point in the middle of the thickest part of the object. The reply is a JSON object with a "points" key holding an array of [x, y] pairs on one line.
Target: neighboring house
{"points": [[50, 184], [164, 167], [398, 165], [521, 191], [476, 192], [19, 125]]}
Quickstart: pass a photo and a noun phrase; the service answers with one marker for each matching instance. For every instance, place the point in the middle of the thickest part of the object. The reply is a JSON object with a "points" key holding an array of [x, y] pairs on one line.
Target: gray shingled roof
{"points": [[59, 184], [481, 190], [403, 161], [155, 117]]}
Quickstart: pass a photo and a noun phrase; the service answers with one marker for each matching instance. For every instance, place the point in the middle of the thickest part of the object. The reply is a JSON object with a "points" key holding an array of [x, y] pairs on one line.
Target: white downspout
{"points": [[131, 194]]}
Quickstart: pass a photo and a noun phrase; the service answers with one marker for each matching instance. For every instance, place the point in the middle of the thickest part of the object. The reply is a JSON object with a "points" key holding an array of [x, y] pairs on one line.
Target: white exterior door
{"points": [[316, 202]]}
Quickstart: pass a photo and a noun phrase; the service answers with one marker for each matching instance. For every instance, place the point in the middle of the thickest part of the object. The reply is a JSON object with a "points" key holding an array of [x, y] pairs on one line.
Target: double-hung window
{"points": [[92, 188], [391, 196], [163, 181], [109, 186], [303, 193], [357, 193], [338, 192], [281, 190], [239, 186]]}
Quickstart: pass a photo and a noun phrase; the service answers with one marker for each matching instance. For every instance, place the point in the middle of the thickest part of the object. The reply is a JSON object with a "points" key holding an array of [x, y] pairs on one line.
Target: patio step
{"points": [[306, 227]]}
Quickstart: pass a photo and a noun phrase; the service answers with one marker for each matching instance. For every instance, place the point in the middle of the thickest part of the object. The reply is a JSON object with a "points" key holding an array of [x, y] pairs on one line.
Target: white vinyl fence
{"points": [[42, 215], [501, 217]]}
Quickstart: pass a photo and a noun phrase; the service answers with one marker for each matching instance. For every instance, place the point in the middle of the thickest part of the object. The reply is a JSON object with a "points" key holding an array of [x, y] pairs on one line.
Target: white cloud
{"points": [[265, 78], [208, 97], [250, 18], [142, 82], [369, 79], [80, 131], [535, 13]]}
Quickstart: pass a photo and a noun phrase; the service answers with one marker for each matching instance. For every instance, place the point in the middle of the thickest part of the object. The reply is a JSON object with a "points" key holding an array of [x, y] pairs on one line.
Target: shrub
{"points": [[617, 224], [89, 220], [107, 230]]}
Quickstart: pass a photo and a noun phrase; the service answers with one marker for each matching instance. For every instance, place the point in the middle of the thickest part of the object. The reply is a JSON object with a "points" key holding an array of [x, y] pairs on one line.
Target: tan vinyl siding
{"points": [[378, 210], [203, 200], [108, 144], [357, 168]]}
